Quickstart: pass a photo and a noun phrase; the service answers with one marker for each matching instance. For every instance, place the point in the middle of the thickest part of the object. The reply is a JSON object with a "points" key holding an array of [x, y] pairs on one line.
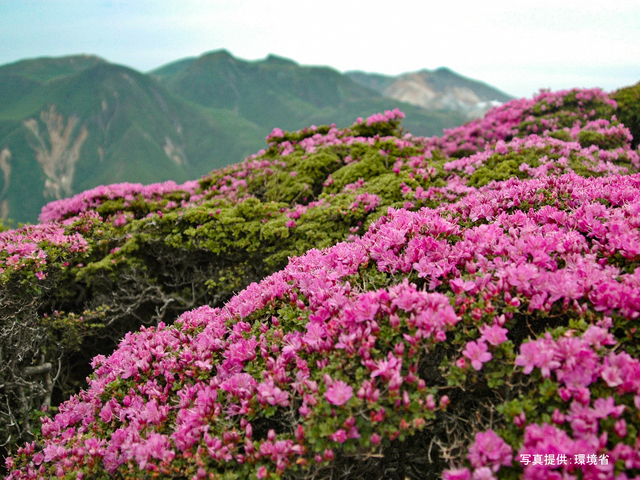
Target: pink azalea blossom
{"points": [[339, 393], [490, 450], [339, 436], [477, 353], [457, 474], [494, 334]]}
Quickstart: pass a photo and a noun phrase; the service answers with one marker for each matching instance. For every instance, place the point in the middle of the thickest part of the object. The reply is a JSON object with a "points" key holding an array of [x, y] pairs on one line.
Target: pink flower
{"points": [[483, 473], [269, 393], [458, 474], [494, 334], [240, 384], [430, 402], [339, 393], [387, 368], [620, 427], [275, 133], [339, 436], [489, 449], [537, 354], [478, 353]]}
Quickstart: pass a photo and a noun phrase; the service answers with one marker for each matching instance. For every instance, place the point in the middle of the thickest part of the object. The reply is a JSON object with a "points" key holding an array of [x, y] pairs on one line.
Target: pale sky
{"points": [[518, 46]]}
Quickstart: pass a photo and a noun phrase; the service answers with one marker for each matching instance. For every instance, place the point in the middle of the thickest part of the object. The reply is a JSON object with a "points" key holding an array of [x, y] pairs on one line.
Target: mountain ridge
{"points": [[48, 68], [68, 124], [293, 105]]}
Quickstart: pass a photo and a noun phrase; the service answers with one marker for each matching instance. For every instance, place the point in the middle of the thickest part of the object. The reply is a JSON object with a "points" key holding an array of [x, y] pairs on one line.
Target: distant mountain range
{"points": [[72, 123]]}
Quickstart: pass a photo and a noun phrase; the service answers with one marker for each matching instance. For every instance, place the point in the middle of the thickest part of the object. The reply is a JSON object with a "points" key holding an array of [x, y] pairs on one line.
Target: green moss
{"points": [[383, 129], [388, 186], [110, 207], [463, 152], [563, 135], [369, 165], [502, 167], [600, 140], [628, 111], [302, 177]]}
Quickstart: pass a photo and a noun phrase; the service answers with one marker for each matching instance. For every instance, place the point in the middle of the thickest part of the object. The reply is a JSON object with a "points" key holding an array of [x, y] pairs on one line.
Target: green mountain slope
{"points": [[104, 124], [279, 92]]}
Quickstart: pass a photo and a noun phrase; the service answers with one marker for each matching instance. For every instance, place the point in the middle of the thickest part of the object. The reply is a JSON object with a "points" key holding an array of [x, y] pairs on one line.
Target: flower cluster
{"points": [[128, 192], [579, 436], [313, 337], [32, 247], [497, 278], [545, 113], [387, 116]]}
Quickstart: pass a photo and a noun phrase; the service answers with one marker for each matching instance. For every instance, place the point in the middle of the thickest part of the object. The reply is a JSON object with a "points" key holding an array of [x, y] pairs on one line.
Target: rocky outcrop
{"points": [[57, 150], [440, 89], [174, 152], [421, 89], [5, 166]]}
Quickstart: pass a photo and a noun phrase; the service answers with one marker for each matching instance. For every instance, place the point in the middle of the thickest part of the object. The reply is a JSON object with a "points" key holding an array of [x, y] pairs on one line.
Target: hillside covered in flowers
{"points": [[346, 303]]}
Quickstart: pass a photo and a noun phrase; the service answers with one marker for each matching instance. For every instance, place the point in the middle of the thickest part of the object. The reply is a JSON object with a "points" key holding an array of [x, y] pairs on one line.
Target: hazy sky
{"points": [[518, 46]]}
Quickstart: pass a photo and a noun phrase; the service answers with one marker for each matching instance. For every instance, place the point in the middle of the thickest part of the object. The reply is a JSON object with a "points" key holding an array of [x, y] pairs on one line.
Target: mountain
{"points": [[47, 68], [278, 92], [72, 123], [438, 89]]}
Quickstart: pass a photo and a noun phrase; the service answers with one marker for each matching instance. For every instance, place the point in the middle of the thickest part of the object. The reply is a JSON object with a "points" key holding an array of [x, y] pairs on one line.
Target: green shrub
{"points": [[628, 111]]}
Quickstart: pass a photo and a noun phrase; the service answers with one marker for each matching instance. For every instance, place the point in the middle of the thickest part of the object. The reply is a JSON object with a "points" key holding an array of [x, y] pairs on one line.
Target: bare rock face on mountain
{"points": [[5, 166], [441, 89], [57, 150]]}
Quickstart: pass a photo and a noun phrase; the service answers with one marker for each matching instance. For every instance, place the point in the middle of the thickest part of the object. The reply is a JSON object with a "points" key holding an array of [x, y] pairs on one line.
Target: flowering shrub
{"points": [[628, 112], [128, 195], [487, 311], [386, 343], [32, 260], [548, 112]]}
